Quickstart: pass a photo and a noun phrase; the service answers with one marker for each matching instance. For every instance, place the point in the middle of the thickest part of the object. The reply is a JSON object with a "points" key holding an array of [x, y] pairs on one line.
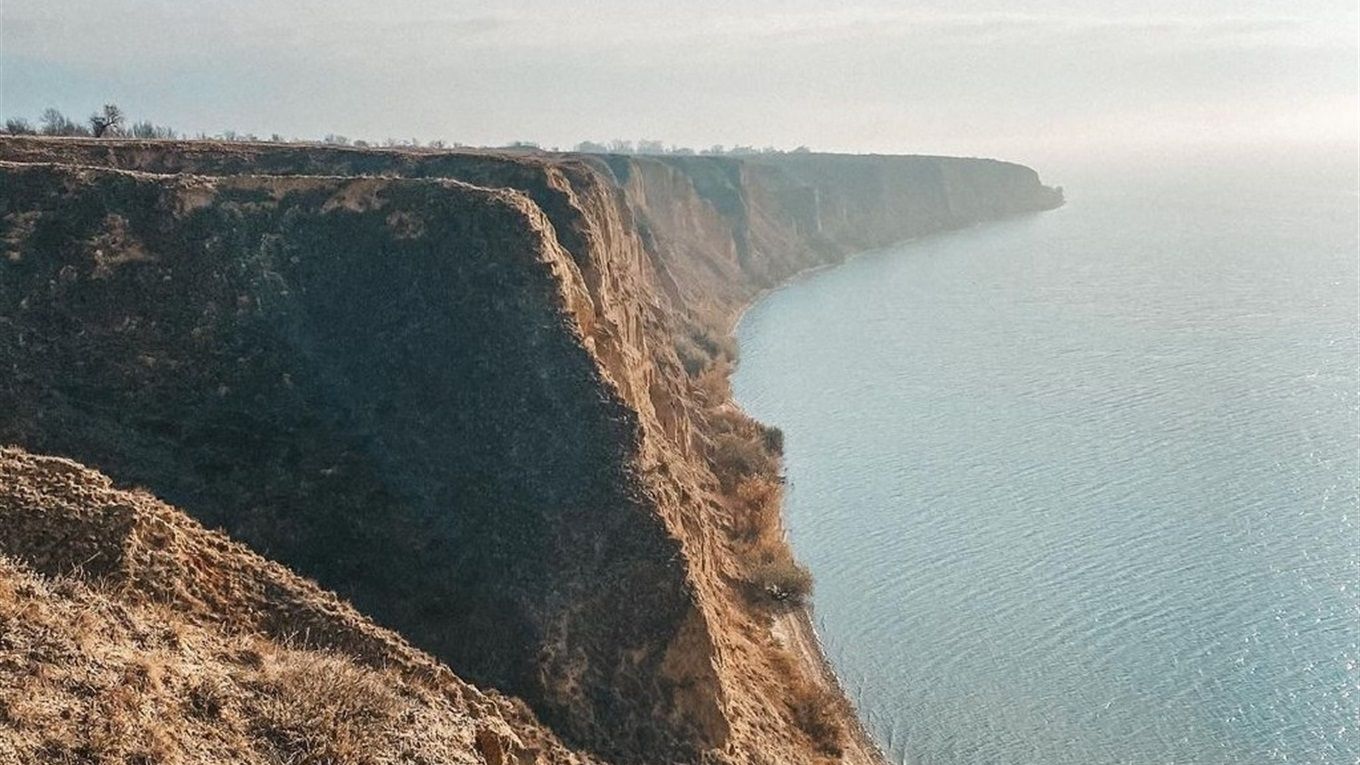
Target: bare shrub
{"points": [[736, 457], [782, 580], [714, 386], [773, 439], [701, 348], [53, 122], [149, 130], [714, 343], [692, 357], [728, 420], [820, 713]]}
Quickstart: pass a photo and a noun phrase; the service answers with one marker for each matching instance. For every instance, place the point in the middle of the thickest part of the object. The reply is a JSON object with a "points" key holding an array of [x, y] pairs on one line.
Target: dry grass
{"points": [[821, 714], [820, 711], [772, 576], [86, 679], [182, 649], [319, 708], [756, 515]]}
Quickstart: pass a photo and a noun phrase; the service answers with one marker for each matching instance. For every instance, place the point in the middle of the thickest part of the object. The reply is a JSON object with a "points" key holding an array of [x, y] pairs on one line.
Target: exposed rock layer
{"points": [[458, 403]]}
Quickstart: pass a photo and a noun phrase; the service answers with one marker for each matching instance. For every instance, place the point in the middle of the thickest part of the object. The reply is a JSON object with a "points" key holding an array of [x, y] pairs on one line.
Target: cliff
{"points": [[481, 396]]}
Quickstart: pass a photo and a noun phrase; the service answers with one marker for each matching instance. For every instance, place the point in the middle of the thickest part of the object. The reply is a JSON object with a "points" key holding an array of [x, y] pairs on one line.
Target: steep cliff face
{"points": [[729, 227], [489, 410], [385, 384]]}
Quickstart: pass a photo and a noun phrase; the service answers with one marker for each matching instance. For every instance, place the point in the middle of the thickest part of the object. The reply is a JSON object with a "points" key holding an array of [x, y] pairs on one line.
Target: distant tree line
{"points": [[651, 146], [110, 121]]}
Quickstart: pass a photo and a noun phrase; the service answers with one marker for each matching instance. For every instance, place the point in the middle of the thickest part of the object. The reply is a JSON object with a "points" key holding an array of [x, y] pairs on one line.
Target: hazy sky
{"points": [[1017, 79]]}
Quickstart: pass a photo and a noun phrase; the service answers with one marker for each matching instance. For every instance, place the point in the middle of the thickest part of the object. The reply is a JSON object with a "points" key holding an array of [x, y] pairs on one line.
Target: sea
{"points": [[1081, 486]]}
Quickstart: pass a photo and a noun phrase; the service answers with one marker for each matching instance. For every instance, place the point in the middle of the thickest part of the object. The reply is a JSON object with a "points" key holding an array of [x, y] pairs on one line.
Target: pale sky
{"points": [[1019, 80]]}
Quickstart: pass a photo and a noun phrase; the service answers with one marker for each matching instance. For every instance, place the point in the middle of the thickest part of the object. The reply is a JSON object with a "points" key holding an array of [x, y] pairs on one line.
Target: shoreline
{"points": [[798, 628], [802, 638]]}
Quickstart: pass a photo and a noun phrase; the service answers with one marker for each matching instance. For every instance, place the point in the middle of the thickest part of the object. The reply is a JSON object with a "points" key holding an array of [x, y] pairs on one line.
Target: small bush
{"points": [[821, 714], [207, 699], [692, 357], [736, 457], [149, 130], [19, 126], [782, 579], [715, 344], [773, 439], [728, 420], [701, 348]]}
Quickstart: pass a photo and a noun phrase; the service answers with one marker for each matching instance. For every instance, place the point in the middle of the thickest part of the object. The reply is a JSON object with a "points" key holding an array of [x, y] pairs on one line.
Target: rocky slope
{"points": [[481, 396], [129, 633]]}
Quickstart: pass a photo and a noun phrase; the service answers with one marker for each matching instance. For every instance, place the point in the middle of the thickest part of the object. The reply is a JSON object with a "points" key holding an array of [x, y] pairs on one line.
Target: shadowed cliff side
{"points": [[493, 416], [372, 381]]}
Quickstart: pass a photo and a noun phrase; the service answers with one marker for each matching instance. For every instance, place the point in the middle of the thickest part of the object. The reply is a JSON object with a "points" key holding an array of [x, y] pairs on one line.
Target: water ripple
{"points": [[1082, 488]]}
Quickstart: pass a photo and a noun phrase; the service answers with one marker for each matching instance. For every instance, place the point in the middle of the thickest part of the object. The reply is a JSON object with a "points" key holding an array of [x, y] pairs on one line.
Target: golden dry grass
{"points": [[129, 635]]}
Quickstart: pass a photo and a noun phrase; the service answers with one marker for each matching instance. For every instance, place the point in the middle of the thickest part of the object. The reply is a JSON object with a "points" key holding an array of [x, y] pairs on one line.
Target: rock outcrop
{"points": [[482, 396]]}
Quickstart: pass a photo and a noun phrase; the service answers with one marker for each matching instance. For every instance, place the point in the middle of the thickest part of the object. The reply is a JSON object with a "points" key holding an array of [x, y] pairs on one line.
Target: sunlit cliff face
{"points": [[978, 77]]}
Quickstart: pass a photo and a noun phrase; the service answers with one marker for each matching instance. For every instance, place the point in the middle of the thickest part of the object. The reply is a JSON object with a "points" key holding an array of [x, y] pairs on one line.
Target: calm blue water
{"points": [[1082, 487]]}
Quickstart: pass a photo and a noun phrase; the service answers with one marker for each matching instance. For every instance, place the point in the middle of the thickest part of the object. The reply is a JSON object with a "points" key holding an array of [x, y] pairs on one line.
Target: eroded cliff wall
{"points": [[490, 412], [728, 227]]}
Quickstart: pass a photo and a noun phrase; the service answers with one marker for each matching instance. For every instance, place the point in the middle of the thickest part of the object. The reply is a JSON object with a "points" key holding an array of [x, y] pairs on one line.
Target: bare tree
{"points": [[106, 122], [53, 122], [18, 126], [148, 129]]}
